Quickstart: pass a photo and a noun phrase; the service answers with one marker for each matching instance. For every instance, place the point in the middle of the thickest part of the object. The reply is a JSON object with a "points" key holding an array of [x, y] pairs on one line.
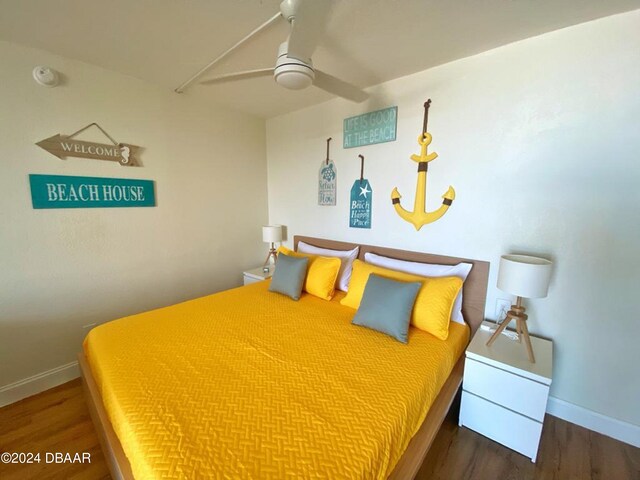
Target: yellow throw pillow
{"points": [[432, 309], [322, 273]]}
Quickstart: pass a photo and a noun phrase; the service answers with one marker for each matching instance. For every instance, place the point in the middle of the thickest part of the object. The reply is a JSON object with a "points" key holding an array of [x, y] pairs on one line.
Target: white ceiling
{"points": [[367, 41]]}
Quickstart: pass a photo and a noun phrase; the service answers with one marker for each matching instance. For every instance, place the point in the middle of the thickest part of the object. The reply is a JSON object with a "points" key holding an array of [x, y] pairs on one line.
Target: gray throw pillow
{"points": [[289, 275], [386, 306]]}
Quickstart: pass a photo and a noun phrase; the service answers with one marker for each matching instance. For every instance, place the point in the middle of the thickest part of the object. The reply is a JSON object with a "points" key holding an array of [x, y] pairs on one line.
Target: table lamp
{"points": [[522, 276], [272, 234]]}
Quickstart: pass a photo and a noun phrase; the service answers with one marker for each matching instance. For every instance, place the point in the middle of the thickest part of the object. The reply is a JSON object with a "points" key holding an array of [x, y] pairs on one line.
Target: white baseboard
{"points": [[611, 427], [38, 383]]}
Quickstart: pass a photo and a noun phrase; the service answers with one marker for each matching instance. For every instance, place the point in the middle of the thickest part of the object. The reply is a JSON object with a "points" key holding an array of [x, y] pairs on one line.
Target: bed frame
{"points": [[474, 298]]}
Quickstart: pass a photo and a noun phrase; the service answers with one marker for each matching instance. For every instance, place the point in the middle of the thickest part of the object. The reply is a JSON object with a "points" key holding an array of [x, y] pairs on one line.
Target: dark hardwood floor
{"points": [[53, 421], [567, 452], [58, 421]]}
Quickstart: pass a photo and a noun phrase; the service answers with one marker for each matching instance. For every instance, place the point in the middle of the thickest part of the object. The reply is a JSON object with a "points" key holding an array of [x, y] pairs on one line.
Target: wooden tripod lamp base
{"points": [[516, 313], [272, 254]]}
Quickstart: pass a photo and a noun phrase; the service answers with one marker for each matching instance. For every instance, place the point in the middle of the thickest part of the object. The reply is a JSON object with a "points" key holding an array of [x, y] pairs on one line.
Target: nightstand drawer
{"points": [[512, 391], [504, 426]]}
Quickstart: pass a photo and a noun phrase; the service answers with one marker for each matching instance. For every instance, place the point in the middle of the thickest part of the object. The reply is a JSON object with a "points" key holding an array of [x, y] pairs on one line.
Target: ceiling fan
{"points": [[294, 69]]}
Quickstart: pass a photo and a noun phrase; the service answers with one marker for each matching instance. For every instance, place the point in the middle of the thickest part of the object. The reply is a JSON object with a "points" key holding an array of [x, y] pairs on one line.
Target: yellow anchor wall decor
{"points": [[420, 216]]}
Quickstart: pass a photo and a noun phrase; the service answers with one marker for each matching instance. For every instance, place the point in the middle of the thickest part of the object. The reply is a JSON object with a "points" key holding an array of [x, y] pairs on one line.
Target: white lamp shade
{"points": [[272, 233], [524, 276]]}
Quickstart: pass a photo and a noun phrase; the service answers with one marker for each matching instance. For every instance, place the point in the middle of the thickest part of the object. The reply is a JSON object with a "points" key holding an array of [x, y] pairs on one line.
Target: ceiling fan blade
{"points": [[339, 87], [308, 26], [228, 51], [227, 77]]}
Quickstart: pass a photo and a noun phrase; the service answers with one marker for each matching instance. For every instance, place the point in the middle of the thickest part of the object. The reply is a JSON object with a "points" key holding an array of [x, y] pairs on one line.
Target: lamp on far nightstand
{"points": [[522, 276], [272, 234]]}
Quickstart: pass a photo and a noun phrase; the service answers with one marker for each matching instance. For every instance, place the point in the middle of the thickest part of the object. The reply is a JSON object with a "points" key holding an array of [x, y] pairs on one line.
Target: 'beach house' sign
{"points": [[63, 191]]}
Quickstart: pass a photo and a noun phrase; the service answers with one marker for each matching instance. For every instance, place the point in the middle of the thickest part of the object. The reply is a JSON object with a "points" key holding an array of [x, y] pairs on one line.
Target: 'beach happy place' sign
{"points": [[62, 191], [360, 204]]}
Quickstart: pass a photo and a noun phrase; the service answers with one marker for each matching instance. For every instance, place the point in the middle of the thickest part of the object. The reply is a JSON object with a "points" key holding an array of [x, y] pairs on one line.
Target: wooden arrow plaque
{"points": [[63, 146]]}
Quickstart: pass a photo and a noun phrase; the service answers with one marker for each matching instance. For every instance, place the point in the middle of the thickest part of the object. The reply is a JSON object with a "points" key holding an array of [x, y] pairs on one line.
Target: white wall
{"points": [[62, 269], [540, 139]]}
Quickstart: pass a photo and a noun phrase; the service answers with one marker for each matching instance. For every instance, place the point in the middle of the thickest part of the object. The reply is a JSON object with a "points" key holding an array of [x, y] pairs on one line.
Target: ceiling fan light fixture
{"points": [[292, 73], [294, 77]]}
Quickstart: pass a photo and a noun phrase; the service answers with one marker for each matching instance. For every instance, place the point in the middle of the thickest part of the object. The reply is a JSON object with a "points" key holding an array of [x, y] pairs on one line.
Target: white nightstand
{"points": [[257, 275], [504, 397]]}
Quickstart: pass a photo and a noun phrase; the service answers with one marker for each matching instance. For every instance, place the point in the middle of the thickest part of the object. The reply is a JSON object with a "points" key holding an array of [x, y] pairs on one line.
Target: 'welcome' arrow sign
{"points": [[63, 146]]}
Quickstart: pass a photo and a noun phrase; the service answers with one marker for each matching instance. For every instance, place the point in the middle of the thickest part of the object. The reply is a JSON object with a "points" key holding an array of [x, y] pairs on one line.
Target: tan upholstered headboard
{"points": [[475, 287]]}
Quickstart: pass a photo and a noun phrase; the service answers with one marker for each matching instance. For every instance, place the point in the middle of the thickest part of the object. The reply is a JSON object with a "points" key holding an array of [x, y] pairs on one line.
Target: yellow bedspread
{"points": [[249, 384]]}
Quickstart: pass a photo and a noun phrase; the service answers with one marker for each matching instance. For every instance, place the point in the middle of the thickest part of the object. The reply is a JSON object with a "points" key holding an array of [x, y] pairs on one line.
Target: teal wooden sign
{"points": [[62, 191], [370, 128], [360, 204], [327, 179]]}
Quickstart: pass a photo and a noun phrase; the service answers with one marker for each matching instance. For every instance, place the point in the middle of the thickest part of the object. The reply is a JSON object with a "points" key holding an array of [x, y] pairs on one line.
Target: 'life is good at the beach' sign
{"points": [[62, 191], [370, 128]]}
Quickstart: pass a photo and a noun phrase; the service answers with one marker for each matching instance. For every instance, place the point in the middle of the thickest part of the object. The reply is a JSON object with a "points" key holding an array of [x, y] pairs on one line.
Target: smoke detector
{"points": [[45, 76]]}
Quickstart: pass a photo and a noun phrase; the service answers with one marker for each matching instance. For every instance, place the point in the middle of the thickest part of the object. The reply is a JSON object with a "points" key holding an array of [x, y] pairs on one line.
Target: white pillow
{"points": [[460, 270], [346, 261]]}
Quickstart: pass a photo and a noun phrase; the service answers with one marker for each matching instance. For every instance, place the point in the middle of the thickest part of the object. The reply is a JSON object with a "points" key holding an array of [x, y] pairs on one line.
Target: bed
{"points": [[252, 384]]}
